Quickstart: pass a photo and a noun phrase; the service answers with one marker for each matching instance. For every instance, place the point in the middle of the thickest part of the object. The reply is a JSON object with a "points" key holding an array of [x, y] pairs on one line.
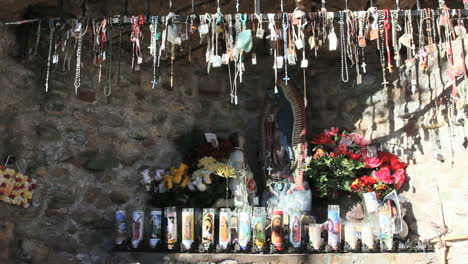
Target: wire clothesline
{"points": [[122, 19]]}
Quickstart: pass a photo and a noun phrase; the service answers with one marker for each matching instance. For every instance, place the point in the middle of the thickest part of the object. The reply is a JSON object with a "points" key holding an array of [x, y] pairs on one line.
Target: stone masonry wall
{"points": [[85, 150]]}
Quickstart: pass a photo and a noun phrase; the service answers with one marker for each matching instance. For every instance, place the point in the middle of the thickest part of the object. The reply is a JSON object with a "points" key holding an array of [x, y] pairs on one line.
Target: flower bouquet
{"points": [[343, 163]]}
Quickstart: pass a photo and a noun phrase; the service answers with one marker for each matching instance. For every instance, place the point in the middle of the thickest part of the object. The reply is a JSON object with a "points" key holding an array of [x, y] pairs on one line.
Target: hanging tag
{"points": [[203, 29], [260, 33], [374, 34], [291, 58], [216, 61], [405, 40], [225, 58], [333, 41], [304, 63], [254, 59], [279, 62], [55, 59], [362, 41], [312, 42], [359, 79], [299, 44]]}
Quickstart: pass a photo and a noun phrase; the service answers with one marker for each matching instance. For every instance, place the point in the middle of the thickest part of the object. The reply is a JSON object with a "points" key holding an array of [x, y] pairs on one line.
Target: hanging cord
{"points": [[51, 40], [38, 37], [108, 86], [344, 59], [78, 35]]}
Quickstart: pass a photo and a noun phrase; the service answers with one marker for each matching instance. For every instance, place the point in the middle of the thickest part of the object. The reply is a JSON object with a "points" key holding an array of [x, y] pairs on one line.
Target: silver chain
{"points": [[344, 60], [79, 40], [154, 48], [51, 39], [38, 37]]}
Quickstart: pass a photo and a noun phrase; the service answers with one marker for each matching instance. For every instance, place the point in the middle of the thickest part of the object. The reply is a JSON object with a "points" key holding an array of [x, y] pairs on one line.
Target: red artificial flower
{"points": [[352, 156], [12, 196], [29, 180], [3, 185], [385, 156], [17, 179], [332, 155], [322, 139], [7, 176], [373, 162], [363, 152], [340, 149], [369, 180], [384, 175], [396, 164], [331, 132], [399, 178]]}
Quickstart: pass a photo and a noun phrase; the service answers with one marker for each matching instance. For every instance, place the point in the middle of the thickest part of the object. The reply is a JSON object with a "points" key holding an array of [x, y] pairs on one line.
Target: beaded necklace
{"points": [[51, 40]]}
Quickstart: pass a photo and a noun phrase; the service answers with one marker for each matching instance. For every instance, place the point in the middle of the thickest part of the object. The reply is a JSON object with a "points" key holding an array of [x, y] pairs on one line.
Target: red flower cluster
{"points": [[391, 170], [322, 139], [363, 184]]}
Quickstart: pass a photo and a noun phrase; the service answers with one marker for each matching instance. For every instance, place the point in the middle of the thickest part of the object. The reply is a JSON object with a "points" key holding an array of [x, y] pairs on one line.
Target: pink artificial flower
{"points": [[399, 178], [340, 149], [352, 156], [359, 140], [384, 176], [373, 162]]}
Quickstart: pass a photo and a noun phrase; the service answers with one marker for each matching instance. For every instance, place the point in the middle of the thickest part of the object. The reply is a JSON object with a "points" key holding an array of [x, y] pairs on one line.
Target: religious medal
{"points": [[277, 230], [137, 229], [208, 223], [187, 229], [333, 226], [224, 228], [155, 227], [170, 215]]}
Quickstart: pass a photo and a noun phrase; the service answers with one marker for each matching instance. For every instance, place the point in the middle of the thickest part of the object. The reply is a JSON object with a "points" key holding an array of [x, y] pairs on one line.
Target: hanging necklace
{"points": [[136, 37], [344, 59], [78, 34], [154, 47], [395, 28], [381, 46], [108, 86], [51, 40], [120, 48], [386, 25], [38, 37], [285, 46]]}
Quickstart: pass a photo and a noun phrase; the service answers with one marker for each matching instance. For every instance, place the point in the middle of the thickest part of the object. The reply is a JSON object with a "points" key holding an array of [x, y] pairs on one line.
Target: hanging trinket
{"points": [[136, 36], [155, 36]]}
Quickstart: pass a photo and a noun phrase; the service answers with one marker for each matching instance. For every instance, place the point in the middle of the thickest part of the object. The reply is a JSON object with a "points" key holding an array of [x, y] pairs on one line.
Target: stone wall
{"points": [[85, 150]]}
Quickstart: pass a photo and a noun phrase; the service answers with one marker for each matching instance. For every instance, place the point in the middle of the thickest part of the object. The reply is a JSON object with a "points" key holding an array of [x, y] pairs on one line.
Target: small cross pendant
{"points": [[154, 82], [286, 79], [363, 66], [269, 169], [385, 82], [390, 68]]}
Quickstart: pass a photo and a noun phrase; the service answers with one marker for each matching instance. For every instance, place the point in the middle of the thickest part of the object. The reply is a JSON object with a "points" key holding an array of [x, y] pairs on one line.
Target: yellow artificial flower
{"points": [[184, 182], [168, 183], [205, 162]]}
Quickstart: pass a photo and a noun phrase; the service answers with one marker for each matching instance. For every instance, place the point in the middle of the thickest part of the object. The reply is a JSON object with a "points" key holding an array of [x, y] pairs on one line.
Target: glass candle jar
{"points": [[277, 229], [138, 221], [315, 236], [208, 224], [295, 232], [155, 222], [245, 215], [170, 214], [188, 228], [350, 233], [367, 236], [258, 228], [334, 226], [224, 228]]}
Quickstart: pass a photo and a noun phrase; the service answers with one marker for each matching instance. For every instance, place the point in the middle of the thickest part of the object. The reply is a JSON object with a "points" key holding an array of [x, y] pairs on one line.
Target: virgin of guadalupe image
{"points": [[188, 228], [224, 231], [296, 230], [207, 228]]}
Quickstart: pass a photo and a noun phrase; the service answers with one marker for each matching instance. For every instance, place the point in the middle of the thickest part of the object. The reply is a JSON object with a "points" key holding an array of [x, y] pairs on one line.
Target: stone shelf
{"points": [[356, 258]]}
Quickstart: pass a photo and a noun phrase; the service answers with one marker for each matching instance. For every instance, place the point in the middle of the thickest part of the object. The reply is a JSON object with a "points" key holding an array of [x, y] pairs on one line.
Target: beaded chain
{"points": [[51, 40], [344, 61], [108, 86]]}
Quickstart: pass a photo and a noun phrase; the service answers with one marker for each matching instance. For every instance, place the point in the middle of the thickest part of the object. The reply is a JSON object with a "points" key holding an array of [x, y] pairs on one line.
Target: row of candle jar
{"points": [[241, 230], [247, 229]]}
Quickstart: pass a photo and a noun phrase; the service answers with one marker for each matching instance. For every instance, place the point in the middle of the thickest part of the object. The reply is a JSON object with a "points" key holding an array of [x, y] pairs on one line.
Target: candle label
{"points": [[187, 229], [244, 229], [277, 230], [224, 229], [155, 227], [333, 227], [208, 228], [295, 229], [259, 231]]}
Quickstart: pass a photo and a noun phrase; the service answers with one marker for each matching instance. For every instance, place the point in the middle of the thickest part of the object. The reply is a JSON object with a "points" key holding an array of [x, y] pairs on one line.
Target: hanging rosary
{"points": [[285, 46], [51, 40], [381, 46], [108, 86], [154, 47], [136, 37], [343, 46], [78, 34]]}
